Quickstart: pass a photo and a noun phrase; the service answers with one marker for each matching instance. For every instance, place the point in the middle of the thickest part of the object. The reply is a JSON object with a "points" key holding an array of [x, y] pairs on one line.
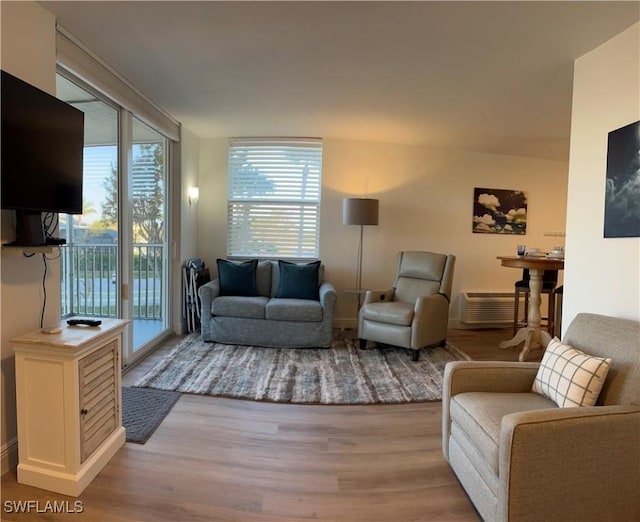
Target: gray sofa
{"points": [[266, 320], [521, 458]]}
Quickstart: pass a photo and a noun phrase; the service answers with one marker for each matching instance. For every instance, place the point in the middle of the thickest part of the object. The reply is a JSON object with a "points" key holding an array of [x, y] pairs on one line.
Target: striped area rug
{"points": [[342, 374]]}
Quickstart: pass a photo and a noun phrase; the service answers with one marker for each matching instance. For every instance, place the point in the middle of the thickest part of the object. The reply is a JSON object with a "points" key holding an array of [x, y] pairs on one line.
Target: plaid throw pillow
{"points": [[569, 377]]}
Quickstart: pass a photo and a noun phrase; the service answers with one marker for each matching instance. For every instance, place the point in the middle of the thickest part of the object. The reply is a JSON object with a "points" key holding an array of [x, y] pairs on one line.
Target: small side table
{"points": [[68, 394], [358, 292]]}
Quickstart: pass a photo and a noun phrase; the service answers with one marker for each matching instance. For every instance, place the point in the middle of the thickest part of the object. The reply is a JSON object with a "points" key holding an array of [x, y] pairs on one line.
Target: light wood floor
{"points": [[218, 459]]}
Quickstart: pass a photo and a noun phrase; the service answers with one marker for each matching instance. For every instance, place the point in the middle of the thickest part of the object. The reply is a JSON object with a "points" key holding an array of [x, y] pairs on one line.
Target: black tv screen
{"points": [[42, 146]]}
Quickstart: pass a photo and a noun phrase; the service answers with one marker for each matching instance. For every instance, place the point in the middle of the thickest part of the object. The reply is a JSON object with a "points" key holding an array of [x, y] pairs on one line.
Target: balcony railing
{"points": [[89, 281]]}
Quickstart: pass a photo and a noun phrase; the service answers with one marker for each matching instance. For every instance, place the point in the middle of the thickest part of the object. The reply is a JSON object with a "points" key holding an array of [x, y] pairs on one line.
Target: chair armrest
{"points": [[208, 292], [374, 296], [430, 303], [430, 320], [570, 464], [328, 295], [488, 376], [483, 376]]}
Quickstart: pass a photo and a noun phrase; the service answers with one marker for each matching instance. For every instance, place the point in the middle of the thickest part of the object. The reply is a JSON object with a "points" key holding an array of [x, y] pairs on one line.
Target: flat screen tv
{"points": [[42, 141]]}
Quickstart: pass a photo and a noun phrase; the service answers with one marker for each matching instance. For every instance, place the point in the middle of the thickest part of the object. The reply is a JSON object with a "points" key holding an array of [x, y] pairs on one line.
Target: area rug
{"points": [[342, 374], [143, 410]]}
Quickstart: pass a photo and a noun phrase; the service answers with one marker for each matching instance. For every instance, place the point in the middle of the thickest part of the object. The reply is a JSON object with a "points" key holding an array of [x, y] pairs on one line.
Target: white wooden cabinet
{"points": [[69, 398]]}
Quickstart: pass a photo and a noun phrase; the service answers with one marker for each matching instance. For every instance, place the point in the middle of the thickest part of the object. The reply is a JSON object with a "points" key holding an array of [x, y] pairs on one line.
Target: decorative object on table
{"points": [[622, 195], [414, 313], [535, 252], [143, 410], [522, 249], [557, 252], [339, 375], [499, 211], [361, 212]]}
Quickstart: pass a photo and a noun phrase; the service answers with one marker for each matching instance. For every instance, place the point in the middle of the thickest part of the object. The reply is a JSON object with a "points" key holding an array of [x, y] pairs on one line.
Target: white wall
{"points": [[426, 203], [185, 229], [28, 51], [212, 209], [602, 275]]}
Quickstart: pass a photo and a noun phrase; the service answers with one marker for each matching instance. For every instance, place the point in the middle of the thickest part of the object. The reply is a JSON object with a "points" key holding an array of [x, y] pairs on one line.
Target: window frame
{"points": [[298, 171]]}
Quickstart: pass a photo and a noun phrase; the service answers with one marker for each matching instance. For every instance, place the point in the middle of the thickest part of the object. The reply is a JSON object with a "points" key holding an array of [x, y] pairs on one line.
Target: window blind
{"points": [[274, 198]]}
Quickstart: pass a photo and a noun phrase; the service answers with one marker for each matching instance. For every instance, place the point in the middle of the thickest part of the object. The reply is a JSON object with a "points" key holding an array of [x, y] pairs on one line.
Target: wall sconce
{"points": [[193, 195]]}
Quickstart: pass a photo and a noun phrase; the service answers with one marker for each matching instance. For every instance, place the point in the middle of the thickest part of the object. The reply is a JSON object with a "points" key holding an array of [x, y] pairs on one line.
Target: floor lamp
{"points": [[359, 211]]}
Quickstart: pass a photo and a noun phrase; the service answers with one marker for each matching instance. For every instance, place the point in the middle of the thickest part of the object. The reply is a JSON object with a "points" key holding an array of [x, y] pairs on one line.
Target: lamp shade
{"points": [[359, 211]]}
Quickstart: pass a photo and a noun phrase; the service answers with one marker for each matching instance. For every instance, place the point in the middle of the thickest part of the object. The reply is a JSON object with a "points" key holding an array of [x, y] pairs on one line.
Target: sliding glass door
{"points": [[149, 261], [115, 262], [90, 259]]}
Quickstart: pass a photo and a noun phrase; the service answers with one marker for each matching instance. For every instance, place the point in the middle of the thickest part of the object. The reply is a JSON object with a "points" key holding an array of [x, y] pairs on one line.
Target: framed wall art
{"points": [[499, 211], [622, 192]]}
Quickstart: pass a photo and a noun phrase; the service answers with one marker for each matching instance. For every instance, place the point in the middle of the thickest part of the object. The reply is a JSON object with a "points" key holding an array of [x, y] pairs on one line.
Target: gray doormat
{"points": [[342, 374], [143, 410]]}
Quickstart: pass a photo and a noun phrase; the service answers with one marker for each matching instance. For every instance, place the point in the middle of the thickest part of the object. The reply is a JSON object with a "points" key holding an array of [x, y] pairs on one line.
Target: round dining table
{"points": [[532, 335]]}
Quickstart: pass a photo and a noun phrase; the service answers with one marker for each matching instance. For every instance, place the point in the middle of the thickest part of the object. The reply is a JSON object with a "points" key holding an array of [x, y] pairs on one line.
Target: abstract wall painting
{"points": [[498, 211], [622, 193]]}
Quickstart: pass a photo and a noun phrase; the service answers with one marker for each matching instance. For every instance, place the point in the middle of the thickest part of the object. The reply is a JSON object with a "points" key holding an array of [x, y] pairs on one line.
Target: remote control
{"points": [[84, 322]]}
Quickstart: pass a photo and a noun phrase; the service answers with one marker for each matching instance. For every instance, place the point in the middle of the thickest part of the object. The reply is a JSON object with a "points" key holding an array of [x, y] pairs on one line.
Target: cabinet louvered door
{"points": [[98, 397]]}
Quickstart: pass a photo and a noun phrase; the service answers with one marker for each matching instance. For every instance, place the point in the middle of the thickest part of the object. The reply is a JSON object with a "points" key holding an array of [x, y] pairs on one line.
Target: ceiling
{"points": [[486, 76]]}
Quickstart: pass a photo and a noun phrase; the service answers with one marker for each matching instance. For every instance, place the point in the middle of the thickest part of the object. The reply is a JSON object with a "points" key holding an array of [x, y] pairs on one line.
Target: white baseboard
{"points": [[179, 328], [9, 455], [343, 323], [456, 324]]}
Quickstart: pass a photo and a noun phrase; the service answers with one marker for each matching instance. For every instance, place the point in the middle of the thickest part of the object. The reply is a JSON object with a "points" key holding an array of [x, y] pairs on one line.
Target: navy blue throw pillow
{"points": [[237, 278], [299, 281]]}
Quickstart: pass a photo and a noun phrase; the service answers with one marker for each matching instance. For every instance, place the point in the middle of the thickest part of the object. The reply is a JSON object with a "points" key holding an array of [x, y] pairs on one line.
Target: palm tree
{"points": [[87, 208]]}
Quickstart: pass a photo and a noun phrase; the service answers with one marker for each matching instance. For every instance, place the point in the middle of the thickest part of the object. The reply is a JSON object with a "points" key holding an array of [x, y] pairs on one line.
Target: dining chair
{"points": [[558, 294]]}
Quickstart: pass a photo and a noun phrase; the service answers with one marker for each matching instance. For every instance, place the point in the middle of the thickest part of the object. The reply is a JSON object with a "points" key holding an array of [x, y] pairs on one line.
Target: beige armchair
{"points": [[521, 458], [415, 312]]}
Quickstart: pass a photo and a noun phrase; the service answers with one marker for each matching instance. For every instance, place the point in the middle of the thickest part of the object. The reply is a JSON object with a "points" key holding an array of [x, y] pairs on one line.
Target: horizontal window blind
{"points": [[274, 198]]}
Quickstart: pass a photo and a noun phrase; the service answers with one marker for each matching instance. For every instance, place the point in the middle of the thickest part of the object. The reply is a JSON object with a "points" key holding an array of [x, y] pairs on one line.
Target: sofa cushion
{"points": [[394, 312], [237, 306], [282, 309], [275, 277], [263, 278], [237, 278], [298, 281], [479, 416], [569, 377]]}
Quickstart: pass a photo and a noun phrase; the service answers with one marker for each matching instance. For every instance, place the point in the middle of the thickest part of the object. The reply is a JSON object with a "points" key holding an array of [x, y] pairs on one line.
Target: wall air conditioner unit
{"points": [[488, 308]]}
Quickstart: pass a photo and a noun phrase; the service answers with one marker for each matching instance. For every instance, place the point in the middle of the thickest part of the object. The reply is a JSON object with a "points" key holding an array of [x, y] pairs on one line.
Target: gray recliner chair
{"points": [[415, 312]]}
